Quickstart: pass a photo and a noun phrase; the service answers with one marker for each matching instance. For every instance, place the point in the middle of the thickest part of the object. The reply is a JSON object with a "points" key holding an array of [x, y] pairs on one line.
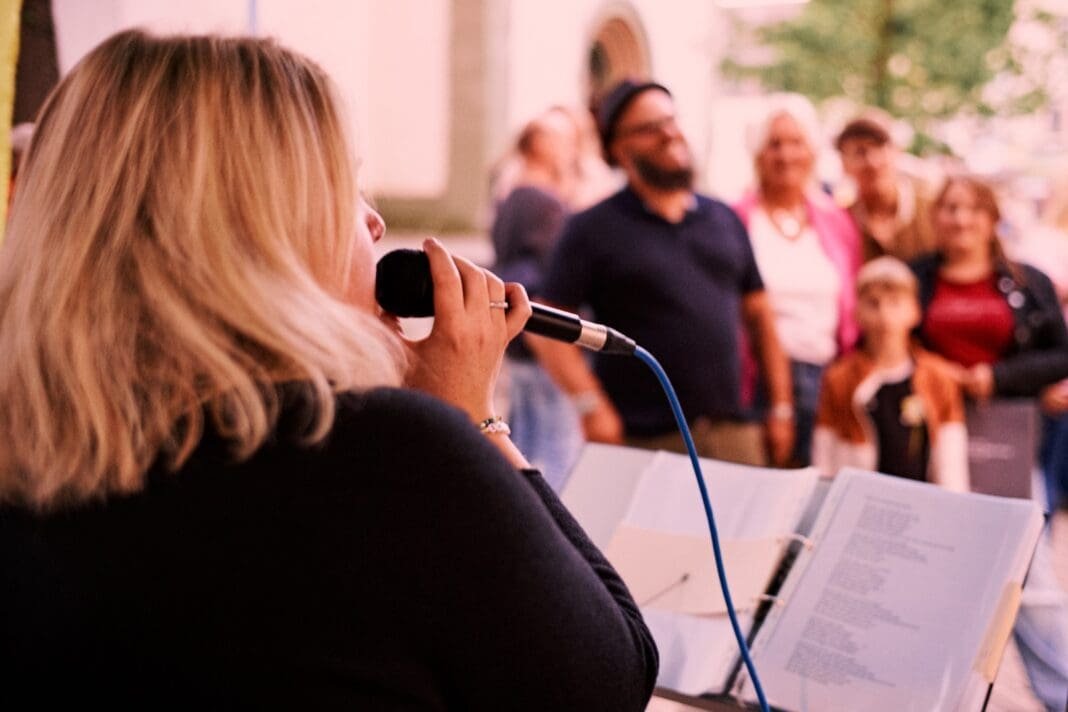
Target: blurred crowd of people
{"points": [[808, 243], [799, 328]]}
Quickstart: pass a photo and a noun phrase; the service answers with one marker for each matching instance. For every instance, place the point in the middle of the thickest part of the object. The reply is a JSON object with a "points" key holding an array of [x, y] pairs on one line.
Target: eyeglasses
{"points": [[648, 128], [859, 151]]}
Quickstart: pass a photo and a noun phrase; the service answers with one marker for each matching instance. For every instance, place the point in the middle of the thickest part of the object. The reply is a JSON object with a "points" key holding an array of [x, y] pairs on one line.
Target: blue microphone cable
{"points": [[676, 408]]}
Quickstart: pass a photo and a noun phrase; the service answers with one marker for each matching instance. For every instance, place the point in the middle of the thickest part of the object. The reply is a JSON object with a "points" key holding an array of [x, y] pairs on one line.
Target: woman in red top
{"points": [[1001, 323], [999, 320]]}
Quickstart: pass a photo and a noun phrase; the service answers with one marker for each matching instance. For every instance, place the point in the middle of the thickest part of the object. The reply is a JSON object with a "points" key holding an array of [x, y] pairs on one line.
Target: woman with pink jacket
{"points": [[808, 252]]}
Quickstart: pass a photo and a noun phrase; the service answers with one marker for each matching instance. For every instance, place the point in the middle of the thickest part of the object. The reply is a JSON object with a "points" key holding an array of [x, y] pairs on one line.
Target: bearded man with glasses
{"points": [[674, 270]]}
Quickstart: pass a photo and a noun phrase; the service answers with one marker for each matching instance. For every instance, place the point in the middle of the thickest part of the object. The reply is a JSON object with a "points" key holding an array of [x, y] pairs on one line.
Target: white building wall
{"points": [[409, 97], [548, 51], [682, 49], [81, 25], [548, 43], [390, 61]]}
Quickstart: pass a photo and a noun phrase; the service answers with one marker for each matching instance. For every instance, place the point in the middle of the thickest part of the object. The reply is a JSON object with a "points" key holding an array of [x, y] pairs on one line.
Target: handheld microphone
{"points": [[403, 287]]}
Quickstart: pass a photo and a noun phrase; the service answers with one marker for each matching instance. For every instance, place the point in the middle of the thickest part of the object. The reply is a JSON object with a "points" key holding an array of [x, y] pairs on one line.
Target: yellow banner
{"points": [[9, 54]]}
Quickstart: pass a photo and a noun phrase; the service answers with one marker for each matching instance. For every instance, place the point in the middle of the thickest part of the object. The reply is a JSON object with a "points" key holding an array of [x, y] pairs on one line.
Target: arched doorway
{"points": [[617, 51]]}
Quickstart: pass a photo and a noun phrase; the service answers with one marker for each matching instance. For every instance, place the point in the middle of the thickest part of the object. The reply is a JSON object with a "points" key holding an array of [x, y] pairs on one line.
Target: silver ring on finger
{"points": [[502, 304]]}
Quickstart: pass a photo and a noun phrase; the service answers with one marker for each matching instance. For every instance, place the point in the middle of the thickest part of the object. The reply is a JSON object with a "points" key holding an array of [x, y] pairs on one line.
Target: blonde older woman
{"points": [[807, 250], [214, 491]]}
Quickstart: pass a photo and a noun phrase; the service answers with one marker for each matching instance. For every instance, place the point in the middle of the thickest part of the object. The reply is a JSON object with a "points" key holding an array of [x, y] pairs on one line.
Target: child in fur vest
{"points": [[891, 406]]}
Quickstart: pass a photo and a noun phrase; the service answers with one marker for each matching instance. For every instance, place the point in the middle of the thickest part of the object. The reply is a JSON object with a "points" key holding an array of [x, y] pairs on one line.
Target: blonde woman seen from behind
{"points": [[218, 485]]}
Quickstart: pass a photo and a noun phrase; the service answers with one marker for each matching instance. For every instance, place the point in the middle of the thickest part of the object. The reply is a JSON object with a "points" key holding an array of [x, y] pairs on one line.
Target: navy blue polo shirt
{"points": [[675, 288]]}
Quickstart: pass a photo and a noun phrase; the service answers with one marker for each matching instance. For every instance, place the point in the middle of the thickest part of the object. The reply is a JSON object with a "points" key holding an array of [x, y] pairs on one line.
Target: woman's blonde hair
{"points": [[797, 107], [181, 241], [794, 106]]}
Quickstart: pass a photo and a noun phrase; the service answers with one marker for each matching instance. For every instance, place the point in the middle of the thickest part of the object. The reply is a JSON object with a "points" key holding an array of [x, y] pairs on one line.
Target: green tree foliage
{"points": [[917, 59]]}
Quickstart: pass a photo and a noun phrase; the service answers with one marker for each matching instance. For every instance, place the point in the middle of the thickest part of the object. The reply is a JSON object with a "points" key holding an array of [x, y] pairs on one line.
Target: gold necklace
{"points": [[787, 222]]}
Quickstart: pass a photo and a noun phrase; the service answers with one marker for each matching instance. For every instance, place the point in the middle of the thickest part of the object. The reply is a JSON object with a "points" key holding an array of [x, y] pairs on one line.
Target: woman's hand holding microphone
{"points": [[475, 316]]}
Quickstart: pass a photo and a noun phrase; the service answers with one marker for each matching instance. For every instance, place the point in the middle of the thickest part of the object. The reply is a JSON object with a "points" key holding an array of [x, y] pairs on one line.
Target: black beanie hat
{"points": [[613, 104]]}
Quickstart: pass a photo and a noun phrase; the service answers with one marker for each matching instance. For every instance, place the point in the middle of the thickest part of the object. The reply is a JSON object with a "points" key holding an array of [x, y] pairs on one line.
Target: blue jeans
{"points": [[1041, 630], [545, 426], [806, 379], [1054, 459]]}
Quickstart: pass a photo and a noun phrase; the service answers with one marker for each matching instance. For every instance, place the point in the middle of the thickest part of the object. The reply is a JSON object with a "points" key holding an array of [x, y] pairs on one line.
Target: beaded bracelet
{"points": [[495, 425]]}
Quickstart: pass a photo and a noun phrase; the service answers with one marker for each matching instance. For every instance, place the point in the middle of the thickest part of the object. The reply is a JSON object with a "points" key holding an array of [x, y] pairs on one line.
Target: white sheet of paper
{"points": [[889, 609], [601, 486], [613, 486], [677, 572]]}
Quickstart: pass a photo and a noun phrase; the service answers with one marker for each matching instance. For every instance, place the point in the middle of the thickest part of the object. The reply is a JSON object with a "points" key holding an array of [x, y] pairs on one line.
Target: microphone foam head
{"points": [[403, 285]]}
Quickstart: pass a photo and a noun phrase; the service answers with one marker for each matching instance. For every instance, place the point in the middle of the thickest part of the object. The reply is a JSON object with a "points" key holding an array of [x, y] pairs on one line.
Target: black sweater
{"points": [[402, 564]]}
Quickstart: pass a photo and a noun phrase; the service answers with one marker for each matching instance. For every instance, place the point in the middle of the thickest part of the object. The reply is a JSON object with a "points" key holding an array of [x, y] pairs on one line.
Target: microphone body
{"points": [[403, 287]]}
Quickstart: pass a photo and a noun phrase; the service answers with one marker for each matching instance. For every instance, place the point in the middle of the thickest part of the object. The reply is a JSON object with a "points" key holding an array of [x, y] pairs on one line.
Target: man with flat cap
{"points": [[673, 270], [892, 210]]}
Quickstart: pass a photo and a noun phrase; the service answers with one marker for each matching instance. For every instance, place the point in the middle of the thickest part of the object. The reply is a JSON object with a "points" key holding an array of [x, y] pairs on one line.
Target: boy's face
{"points": [[887, 311]]}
